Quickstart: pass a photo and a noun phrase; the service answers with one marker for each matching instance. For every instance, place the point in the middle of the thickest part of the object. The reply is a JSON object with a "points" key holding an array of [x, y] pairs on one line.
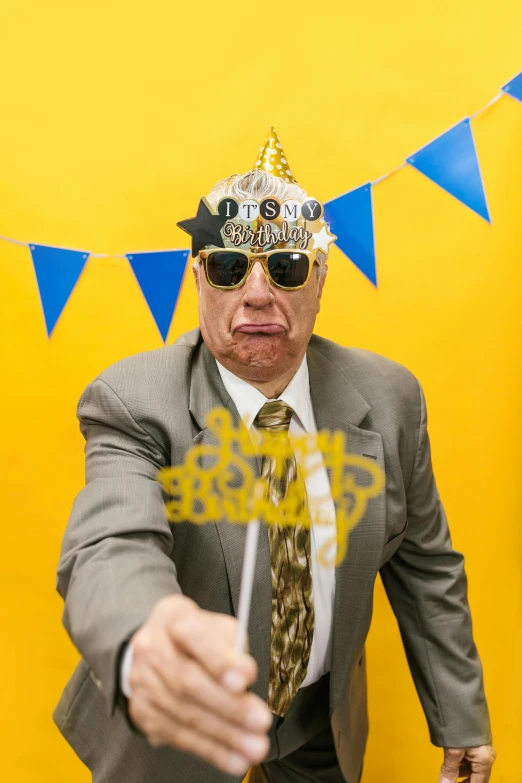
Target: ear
{"points": [[195, 272], [320, 286]]}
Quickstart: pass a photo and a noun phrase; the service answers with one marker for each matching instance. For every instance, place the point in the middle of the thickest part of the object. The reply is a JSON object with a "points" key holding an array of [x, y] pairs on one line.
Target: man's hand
{"points": [[189, 687], [473, 764]]}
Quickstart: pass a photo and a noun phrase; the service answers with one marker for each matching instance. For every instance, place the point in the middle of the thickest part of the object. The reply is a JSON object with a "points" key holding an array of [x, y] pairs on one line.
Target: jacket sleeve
{"points": [[426, 585], [115, 561]]}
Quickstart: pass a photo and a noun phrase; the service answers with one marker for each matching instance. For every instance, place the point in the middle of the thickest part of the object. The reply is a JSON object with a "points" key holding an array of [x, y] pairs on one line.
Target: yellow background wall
{"points": [[115, 117]]}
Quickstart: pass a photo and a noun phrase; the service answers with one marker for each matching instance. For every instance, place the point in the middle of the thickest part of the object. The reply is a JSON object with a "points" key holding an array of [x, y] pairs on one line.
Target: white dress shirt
{"points": [[249, 401]]}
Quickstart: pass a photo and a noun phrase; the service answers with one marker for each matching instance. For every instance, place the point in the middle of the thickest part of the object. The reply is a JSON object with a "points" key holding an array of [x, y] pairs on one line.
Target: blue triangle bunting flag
{"points": [[159, 276], [451, 162], [514, 87], [57, 272], [351, 220]]}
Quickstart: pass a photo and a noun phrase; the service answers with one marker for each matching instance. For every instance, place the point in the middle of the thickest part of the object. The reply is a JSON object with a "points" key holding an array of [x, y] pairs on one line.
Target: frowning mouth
{"points": [[270, 328]]}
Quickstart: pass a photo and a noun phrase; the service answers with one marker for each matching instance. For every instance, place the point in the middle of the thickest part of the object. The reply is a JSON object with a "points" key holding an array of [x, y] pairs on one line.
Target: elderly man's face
{"points": [[258, 332]]}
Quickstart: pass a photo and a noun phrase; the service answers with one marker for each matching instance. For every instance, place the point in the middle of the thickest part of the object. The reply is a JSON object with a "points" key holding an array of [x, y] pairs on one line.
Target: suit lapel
{"points": [[338, 405], [207, 392]]}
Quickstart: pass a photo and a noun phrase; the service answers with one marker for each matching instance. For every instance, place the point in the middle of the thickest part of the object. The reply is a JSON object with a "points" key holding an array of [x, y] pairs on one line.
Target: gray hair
{"points": [[257, 184]]}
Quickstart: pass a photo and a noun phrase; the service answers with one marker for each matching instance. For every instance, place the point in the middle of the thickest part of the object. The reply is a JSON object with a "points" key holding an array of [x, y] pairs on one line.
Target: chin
{"points": [[264, 356]]}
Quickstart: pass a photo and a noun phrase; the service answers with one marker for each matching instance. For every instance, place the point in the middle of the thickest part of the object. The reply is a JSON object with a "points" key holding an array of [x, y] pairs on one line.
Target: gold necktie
{"points": [[292, 605]]}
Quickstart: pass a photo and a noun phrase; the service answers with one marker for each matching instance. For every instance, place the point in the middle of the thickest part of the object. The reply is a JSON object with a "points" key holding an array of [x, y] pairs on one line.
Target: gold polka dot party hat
{"points": [[272, 158]]}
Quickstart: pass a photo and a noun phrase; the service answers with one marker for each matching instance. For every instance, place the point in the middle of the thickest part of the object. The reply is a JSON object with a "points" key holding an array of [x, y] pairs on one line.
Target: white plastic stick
{"points": [[247, 583]]}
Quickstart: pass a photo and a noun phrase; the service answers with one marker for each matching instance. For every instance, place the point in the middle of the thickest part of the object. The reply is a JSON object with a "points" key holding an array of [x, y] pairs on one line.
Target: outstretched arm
{"points": [[188, 686], [115, 562]]}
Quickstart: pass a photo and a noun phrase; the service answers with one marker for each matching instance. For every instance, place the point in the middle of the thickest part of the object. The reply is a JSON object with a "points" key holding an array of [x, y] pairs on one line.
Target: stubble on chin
{"points": [[260, 358]]}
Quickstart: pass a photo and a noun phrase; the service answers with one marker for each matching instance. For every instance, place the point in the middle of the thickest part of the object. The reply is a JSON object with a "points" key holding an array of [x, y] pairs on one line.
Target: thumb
{"points": [[449, 770]]}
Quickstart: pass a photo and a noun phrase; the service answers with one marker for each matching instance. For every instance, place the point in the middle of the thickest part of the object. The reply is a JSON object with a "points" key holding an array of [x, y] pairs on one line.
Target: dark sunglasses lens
{"points": [[225, 268], [288, 269]]}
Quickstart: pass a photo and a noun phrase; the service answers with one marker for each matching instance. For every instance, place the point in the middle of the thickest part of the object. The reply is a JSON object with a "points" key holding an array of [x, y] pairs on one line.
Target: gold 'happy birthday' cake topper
{"points": [[219, 482]]}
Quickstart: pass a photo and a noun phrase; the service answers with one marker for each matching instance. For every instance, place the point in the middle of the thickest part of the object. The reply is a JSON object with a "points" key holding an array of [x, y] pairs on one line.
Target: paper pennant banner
{"points": [[351, 219], [514, 87], [159, 276], [57, 272], [451, 162]]}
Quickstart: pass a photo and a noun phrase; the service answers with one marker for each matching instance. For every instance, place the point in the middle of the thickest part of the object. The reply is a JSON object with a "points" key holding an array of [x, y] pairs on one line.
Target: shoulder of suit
{"points": [[369, 370], [149, 370]]}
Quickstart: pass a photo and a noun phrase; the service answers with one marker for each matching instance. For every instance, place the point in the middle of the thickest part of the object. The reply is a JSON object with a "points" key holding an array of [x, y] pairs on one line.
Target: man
{"points": [[160, 694]]}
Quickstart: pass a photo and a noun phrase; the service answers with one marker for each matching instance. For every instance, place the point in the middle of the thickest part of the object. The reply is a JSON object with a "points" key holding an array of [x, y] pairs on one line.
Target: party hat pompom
{"points": [[272, 158]]}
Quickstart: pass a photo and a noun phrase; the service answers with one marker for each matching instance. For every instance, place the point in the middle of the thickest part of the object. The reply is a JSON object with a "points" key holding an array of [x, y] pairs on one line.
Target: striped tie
{"points": [[292, 605]]}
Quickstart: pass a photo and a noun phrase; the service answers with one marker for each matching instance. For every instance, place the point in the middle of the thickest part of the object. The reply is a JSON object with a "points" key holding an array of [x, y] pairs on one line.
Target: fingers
{"points": [[183, 689], [182, 722], [189, 715], [449, 770], [471, 764], [210, 638], [197, 687], [184, 682], [187, 679], [481, 760], [160, 729]]}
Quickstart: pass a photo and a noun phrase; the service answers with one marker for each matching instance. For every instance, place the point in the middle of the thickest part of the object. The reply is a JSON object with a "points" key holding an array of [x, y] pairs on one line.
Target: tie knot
{"points": [[274, 416]]}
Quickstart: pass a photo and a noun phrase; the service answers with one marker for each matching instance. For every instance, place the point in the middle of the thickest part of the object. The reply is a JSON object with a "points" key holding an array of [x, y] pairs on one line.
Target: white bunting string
{"points": [[374, 182], [471, 117]]}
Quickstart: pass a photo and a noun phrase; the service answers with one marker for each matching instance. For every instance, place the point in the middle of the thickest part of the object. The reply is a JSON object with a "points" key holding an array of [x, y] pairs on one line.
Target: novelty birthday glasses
{"points": [[286, 269]]}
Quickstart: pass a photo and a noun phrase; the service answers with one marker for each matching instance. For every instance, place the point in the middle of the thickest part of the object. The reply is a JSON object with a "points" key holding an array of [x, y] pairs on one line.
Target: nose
{"points": [[257, 291]]}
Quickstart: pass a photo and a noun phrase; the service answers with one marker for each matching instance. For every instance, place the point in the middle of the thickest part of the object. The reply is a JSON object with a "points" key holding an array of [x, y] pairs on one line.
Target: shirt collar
{"points": [[249, 400]]}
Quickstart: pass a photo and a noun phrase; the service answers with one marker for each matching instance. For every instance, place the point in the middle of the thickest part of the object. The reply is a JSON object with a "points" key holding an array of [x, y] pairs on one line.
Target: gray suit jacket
{"points": [[120, 555]]}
